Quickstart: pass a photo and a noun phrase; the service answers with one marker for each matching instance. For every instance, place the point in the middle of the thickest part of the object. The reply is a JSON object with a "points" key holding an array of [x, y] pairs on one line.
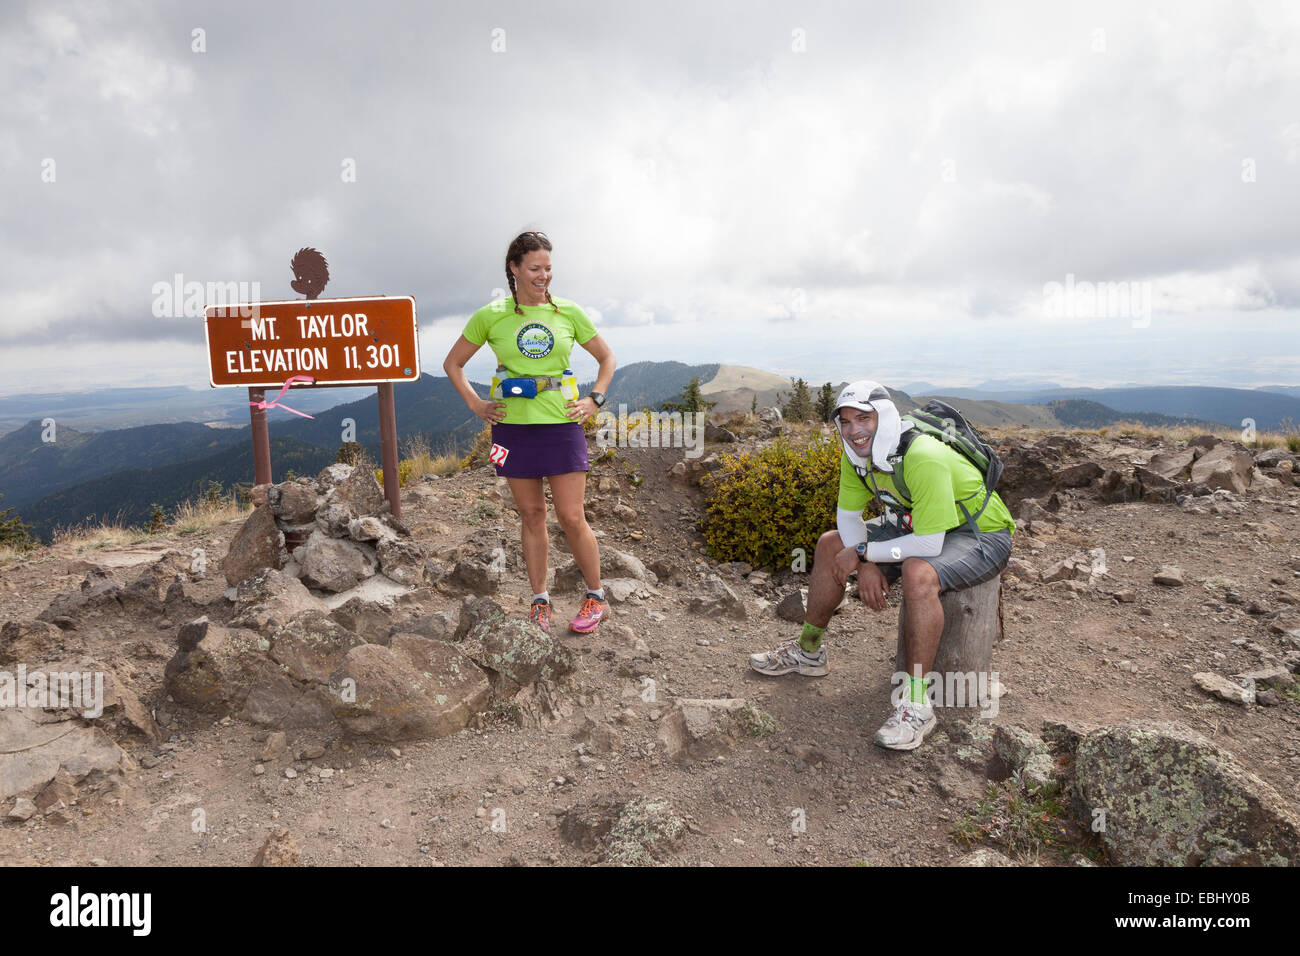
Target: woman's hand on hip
{"points": [[581, 409], [490, 411]]}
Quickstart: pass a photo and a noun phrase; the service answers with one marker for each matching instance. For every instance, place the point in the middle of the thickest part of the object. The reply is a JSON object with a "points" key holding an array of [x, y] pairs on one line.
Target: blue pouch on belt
{"points": [[519, 387]]}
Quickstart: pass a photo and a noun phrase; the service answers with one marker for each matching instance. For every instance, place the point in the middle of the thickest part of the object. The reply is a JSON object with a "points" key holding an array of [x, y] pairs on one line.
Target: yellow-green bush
{"points": [[764, 505], [478, 455], [404, 469]]}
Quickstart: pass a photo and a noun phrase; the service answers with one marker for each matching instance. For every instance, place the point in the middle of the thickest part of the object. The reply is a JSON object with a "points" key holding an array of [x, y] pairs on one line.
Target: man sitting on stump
{"points": [[942, 530]]}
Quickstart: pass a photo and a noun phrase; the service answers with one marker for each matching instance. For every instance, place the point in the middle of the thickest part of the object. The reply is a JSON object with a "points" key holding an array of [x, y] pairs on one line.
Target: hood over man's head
{"points": [[870, 396]]}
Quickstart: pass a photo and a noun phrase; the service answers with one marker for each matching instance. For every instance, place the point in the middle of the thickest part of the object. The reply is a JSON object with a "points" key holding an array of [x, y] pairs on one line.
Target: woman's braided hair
{"points": [[524, 243]]}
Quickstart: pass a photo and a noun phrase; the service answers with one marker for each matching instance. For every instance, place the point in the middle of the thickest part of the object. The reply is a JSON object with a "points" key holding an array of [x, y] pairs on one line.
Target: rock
{"points": [[646, 830], [1226, 465], [700, 728], [369, 528], [29, 641], [258, 544], [417, 688], [791, 607], [1027, 473], [1076, 567], [278, 850], [1170, 576], [22, 810], [621, 590], [355, 496], [714, 598], [1021, 569], [625, 514], [1024, 753], [36, 751], [1172, 465], [985, 856], [1156, 489], [520, 651], [1126, 596], [215, 667], [716, 433], [1277, 677], [293, 502], [475, 611], [1078, 476], [479, 569], [1171, 798], [440, 626], [401, 560], [335, 564], [613, 562], [1223, 688], [270, 599], [1272, 457], [372, 621], [586, 825], [312, 647], [1117, 487], [277, 743], [99, 589]]}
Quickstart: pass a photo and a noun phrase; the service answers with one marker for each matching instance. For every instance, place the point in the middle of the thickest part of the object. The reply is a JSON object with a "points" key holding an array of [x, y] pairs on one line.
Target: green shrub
{"points": [[764, 505], [351, 453]]}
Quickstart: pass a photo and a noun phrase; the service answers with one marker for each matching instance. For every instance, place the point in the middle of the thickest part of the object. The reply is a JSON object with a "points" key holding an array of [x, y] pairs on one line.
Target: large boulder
{"points": [[30, 641], [520, 651], [258, 544], [1226, 465], [355, 496], [1173, 464], [1078, 476], [35, 750], [1172, 798], [401, 560], [312, 647], [417, 688], [336, 564], [293, 502], [215, 667], [270, 599]]}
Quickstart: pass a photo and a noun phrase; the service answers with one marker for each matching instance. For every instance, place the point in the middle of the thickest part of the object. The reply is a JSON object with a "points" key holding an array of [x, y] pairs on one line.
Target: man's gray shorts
{"points": [[966, 560]]}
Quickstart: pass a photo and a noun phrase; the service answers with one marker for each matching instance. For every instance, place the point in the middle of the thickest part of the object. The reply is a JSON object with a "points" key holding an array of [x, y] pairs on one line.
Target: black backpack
{"points": [[941, 421]]}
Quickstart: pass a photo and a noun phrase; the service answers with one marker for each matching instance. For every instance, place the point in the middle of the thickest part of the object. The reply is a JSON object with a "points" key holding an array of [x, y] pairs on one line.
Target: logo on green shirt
{"points": [[534, 340]]}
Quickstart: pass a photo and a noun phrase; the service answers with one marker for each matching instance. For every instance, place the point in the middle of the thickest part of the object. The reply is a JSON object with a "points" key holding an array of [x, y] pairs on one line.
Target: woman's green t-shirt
{"points": [[532, 345]]}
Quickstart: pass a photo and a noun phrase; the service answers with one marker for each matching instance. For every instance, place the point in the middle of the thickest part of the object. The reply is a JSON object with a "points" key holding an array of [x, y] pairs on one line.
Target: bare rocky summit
{"points": [[369, 691]]}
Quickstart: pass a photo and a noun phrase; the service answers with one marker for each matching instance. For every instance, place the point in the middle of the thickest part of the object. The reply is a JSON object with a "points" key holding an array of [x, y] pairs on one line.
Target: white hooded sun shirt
{"points": [[872, 396]]}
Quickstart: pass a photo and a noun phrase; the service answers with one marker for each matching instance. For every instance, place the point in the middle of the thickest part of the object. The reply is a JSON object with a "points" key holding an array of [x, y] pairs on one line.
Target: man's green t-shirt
{"points": [[532, 345], [937, 476]]}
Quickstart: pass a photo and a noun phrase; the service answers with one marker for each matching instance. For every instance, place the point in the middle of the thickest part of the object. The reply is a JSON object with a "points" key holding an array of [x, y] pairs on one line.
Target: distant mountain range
{"points": [[123, 472]]}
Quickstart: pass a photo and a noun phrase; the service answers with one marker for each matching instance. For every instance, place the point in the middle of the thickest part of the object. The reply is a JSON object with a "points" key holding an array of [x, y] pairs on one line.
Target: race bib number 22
{"points": [[498, 455]]}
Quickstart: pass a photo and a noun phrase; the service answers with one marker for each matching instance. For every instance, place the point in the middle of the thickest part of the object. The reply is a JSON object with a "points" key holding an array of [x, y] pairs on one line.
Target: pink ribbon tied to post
{"points": [[275, 402]]}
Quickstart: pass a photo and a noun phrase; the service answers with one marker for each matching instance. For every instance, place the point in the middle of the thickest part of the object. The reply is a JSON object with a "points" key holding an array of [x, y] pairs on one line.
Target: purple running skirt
{"points": [[538, 451]]}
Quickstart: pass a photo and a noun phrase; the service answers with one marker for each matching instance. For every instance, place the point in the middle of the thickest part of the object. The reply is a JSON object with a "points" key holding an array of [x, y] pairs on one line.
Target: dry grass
{"points": [[199, 514], [426, 461]]}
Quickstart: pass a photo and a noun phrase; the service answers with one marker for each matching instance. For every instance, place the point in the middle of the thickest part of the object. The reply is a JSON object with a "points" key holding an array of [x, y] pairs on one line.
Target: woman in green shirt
{"points": [[536, 414]]}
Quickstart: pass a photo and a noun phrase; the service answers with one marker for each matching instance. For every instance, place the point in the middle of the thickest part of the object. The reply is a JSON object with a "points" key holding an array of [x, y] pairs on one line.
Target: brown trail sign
{"points": [[370, 341]]}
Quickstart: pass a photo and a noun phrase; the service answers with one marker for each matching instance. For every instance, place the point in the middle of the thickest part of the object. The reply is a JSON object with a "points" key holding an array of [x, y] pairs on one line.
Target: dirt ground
{"points": [[493, 794]]}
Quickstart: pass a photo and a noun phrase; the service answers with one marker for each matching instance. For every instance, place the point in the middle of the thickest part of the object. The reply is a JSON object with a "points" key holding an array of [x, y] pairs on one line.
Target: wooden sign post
{"points": [[336, 342]]}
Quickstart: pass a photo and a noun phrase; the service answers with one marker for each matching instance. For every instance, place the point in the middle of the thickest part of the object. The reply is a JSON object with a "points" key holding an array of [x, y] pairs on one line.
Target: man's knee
{"points": [[920, 579], [829, 543]]}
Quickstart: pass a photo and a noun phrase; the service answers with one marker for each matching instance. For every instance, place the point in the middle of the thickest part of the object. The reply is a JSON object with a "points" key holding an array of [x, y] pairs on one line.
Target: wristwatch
{"points": [[598, 398], [862, 551]]}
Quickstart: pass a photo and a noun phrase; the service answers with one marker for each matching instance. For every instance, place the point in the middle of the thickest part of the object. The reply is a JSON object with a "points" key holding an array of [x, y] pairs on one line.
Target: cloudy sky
{"points": [[900, 190]]}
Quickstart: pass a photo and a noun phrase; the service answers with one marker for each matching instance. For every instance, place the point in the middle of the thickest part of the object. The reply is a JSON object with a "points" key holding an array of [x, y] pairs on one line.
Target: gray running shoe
{"points": [[906, 726], [789, 657]]}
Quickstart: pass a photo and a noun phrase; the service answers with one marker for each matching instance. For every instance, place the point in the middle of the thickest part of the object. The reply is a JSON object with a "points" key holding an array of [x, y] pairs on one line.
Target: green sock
{"points": [[811, 638], [916, 690]]}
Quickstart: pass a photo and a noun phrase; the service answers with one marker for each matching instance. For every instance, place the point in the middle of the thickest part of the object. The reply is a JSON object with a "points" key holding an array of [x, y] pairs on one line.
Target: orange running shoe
{"points": [[541, 614]]}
